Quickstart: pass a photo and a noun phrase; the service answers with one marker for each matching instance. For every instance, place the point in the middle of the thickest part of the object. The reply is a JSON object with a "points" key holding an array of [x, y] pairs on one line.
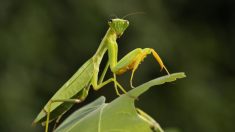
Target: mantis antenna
{"points": [[134, 13]]}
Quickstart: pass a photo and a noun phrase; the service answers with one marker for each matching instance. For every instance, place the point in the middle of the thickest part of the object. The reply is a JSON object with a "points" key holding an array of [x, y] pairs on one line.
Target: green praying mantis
{"points": [[76, 89]]}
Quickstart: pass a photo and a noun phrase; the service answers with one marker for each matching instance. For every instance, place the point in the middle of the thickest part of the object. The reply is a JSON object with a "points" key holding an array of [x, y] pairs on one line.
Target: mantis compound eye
{"points": [[110, 20]]}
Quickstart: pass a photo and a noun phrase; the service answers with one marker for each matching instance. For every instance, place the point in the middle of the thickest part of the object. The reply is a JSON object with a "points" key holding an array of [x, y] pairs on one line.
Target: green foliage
{"points": [[118, 115]]}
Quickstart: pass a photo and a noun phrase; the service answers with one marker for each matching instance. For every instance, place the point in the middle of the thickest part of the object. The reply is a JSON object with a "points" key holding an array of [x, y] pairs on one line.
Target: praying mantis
{"points": [[76, 89]]}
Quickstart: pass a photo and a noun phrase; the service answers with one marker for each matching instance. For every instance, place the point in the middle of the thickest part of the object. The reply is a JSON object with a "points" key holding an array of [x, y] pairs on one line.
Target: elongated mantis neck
{"points": [[110, 36]]}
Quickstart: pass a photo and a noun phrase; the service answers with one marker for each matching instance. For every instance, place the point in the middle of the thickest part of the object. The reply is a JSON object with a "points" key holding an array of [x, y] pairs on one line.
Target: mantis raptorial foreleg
{"points": [[132, 60]]}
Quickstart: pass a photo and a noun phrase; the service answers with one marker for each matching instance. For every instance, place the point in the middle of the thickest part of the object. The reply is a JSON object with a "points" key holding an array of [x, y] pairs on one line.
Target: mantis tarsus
{"points": [[76, 89]]}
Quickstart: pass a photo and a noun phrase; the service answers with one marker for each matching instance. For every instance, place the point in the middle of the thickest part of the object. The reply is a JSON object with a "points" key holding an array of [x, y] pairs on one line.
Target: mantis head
{"points": [[118, 25]]}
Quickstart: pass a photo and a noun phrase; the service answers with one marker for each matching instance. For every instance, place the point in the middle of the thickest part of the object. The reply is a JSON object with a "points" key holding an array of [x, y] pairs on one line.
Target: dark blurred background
{"points": [[42, 43]]}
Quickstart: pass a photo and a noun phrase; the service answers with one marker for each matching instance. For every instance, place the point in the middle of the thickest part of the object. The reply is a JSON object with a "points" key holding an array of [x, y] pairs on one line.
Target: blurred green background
{"points": [[42, 43]]}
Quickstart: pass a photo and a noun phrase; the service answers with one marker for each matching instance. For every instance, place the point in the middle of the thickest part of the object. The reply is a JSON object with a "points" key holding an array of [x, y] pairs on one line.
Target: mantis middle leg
{"points": [[100, 83]]}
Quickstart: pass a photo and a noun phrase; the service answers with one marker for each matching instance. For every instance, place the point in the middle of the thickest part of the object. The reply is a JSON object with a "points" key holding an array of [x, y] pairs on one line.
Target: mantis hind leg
{"points": [[132, 60], [82, 97], [48, 111]]}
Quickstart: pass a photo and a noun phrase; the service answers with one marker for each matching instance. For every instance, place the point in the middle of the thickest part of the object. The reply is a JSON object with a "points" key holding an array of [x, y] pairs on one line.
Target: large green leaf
{"points": [[118, 116]]}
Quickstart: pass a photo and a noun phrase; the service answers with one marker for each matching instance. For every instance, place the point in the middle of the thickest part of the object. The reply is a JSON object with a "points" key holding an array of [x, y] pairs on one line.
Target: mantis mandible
{"points": [[76, 89]]}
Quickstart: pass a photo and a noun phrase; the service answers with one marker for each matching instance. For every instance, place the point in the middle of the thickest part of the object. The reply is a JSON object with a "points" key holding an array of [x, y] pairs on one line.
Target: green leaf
{"points": [[118, 116], [81, 113]]}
